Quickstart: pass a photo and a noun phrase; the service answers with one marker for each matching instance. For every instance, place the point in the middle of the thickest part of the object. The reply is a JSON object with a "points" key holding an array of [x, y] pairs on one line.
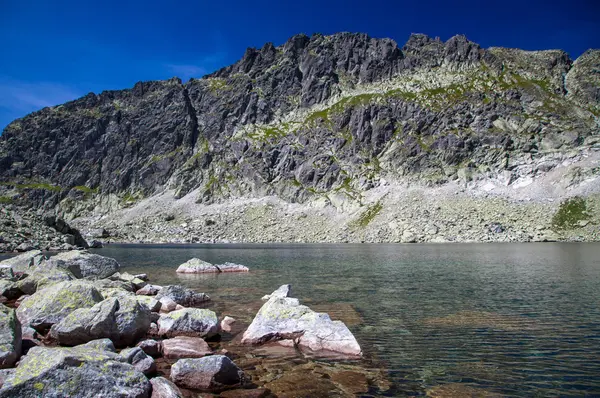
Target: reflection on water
{"points": [[443, 320]]}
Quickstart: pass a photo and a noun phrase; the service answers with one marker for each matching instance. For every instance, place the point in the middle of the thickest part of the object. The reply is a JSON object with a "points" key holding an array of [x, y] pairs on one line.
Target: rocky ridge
{"points": [[327, 138]]}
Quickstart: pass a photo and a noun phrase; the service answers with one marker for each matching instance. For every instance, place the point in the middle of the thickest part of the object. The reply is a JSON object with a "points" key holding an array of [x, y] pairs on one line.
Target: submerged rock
{"points": [[10, 337], [185, 347], [52, 304], [83, 371], [163, 388], [123, 320], [214, 372], [84, 264], [182, 295], [227, 323], [193, 322], [283, 318]]}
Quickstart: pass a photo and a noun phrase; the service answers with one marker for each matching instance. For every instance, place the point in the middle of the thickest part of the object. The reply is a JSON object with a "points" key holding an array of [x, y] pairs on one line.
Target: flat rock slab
{"points": [[83, 371], [182, 295], [214, 372], [185, 347]]}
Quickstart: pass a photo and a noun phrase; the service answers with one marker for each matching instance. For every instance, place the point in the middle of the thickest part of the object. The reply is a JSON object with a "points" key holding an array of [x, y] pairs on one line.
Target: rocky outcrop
{"points": [[83, 371], [123, 320], [52, 304], [182, 295], [283, 318], [10, 337], [321, 121], [213, 372], [85, 265], [192, 322]]}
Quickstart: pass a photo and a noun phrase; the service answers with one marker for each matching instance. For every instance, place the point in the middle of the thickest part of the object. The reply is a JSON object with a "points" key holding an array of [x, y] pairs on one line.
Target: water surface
{"points": [[514, 319]]}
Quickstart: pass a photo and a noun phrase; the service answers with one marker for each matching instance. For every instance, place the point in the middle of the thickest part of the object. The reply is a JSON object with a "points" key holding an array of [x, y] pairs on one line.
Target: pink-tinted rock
{"points": [[163, 388], [231, 267], [227, 323], [214, 372], [151, 347], [196, 266], [149, 290], [185, 347], [167, 305]]}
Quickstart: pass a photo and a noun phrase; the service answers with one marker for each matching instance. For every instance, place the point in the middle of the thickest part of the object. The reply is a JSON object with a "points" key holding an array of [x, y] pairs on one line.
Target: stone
{"points": [[196, 266], [24, 262], [10, 337], [232, 267], [6, 272], [149, 290], [4, 374], [25, 247], [164, 388], [139, 359], [283, 318], [143, 277], [182, 295], [95, 244], [192, 322], [82, 371], [151, 347], [84, 264], [136, 283], [41, 277], [149, 303], [123, 320], [52, 304], [227, 323], [167, 305], [214, 372], [99, 233], [185, 347], [282, 291]]}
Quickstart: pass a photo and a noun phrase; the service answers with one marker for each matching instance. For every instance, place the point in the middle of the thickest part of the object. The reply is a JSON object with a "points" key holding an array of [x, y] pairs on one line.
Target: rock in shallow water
{"points": [[197, 266], [192, 322], [163, 388], [10, 337], [185, 347], [214, 372], [182, 295], [283, 318], [83, 371], [123, 320]]}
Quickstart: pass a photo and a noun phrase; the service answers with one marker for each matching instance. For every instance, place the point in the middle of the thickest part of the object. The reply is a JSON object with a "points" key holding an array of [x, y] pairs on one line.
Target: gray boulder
{"points": [[151, 347], [283, 318], [6, 272], [123, 320], [95, 244], [84, 264], [149, 303], [136, 283], [196, 266], [41, 277], [182, 295], [4, 374], [214, 372], [138, 358], [9, 289], [149, 290], [52, 304], [83, 371], [10, 337], [24, 262], [193, 322], [164, 388], [232, 267]]}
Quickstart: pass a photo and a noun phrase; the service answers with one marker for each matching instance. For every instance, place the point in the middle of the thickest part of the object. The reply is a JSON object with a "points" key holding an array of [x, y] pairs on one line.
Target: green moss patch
{"points": [[569, 213]]}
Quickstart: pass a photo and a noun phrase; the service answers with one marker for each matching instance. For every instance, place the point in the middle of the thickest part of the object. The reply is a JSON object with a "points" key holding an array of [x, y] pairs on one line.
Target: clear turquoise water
{"points": [[514, 319]]}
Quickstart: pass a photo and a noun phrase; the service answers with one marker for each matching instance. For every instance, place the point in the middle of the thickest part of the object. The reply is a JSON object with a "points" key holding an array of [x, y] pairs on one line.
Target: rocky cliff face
{"points": [[325, 120]]}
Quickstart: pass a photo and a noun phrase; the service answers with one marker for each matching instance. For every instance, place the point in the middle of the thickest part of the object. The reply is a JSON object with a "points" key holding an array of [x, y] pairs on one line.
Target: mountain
{"points": [[328, 138]]}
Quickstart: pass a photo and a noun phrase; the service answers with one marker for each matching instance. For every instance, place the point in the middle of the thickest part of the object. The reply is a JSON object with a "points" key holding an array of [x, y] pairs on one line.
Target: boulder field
{"points": [[77, 325]]}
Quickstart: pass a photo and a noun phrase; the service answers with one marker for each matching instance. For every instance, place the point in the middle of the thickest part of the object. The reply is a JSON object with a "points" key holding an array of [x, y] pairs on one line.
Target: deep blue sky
{"points": [[57, 50]]}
